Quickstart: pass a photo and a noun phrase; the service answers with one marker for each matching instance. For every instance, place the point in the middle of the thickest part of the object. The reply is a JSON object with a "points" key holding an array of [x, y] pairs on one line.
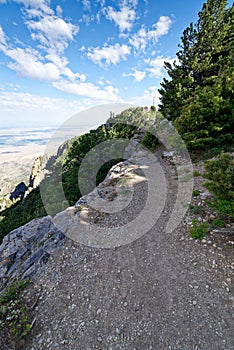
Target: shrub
{"points": [[218, 223], [224, 207], [195, 193], [150, 141], [14, 319], [196, 173], [198, 231], [220, 172]]}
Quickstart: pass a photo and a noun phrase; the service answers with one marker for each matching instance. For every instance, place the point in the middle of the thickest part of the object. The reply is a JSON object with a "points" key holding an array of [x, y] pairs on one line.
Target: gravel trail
{"points": [[163, 291]]}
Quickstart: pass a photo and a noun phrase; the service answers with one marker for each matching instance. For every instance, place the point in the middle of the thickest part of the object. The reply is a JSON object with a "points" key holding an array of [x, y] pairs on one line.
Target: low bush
{"points": [[14, 318], [198, 230]]}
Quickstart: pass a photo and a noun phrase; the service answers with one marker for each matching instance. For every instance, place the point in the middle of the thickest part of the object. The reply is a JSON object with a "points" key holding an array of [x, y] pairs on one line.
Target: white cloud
{"points": [[109, 54], [123, 19], [138, 75], [27, 64], [2, 37], [42, 5], [146, 99], [59, 11], [52, 31], [86, 4], [89, 90], [156, 66], [141, 39], [36, 109], [160, 28]]}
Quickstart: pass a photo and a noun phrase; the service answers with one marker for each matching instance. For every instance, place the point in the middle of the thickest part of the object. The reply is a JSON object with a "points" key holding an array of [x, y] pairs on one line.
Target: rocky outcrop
{"points": [[62, 149], [19, 191], [37, 172], [24, 251]]}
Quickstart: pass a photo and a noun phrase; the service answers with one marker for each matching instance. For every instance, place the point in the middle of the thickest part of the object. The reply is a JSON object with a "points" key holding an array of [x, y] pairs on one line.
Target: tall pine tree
{"points": [[198, 96]]}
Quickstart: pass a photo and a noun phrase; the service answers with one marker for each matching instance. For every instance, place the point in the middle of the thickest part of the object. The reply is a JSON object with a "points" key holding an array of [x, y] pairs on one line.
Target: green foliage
{"points": [[150, 141], [218, 223], [198, 96], [196, 173], [195, 193], [153, 108], [198, 231], [220, 172], [65, 170], [196, 209], [14, 318], [224, 207], [21, 212], [84, 144]]}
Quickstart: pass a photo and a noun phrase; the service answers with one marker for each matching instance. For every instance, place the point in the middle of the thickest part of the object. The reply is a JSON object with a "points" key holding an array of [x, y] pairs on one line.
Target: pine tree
{"points": [[198, 97]]}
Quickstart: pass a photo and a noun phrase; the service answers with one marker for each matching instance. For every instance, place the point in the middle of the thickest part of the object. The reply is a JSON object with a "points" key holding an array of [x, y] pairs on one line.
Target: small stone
{"points": [[194, 302], [99, 338], [99, 311]]}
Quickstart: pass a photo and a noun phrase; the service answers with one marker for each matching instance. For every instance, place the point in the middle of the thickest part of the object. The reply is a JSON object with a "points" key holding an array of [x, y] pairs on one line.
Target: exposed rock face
{"points": [[24, 251], [37, 172], [19, 191], [60, 152]]}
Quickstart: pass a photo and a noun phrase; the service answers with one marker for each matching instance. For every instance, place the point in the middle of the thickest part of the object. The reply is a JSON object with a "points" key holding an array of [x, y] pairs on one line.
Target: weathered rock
{"points": [[19, 191], [25, 250], [37, 172]]}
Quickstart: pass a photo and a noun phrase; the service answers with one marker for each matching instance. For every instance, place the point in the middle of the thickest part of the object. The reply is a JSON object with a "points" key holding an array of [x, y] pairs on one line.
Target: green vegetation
{"points": [[66, 168], [198, 96], [14, 314], [218, 223], [196, 173], [195, 193], [198, 230], [150, 141], [220, 172], [21, 213]]}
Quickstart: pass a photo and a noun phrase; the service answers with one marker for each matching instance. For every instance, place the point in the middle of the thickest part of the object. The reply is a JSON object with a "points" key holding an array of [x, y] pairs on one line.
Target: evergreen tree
{"points": [[198, 96]]}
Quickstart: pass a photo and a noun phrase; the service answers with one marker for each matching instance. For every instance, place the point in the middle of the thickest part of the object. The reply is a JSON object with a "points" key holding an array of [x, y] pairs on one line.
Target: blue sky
{"points": [[60, 57]]}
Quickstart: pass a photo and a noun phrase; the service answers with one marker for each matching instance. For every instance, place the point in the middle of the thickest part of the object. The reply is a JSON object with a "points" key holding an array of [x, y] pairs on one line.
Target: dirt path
{"points": [[163, 291]]}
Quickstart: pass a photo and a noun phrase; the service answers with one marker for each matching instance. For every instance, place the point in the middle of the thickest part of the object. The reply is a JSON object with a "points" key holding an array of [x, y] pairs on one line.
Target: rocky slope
{"points": [[15, 185]]}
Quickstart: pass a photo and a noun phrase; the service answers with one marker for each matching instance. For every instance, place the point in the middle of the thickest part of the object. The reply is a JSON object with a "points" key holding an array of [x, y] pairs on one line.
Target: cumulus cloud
{"points": [[89, 90], [53, 32], [27, 64], [124, 18], [107, 55], [42, 5], [141, 39], [156, 66], [138, 75]]}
